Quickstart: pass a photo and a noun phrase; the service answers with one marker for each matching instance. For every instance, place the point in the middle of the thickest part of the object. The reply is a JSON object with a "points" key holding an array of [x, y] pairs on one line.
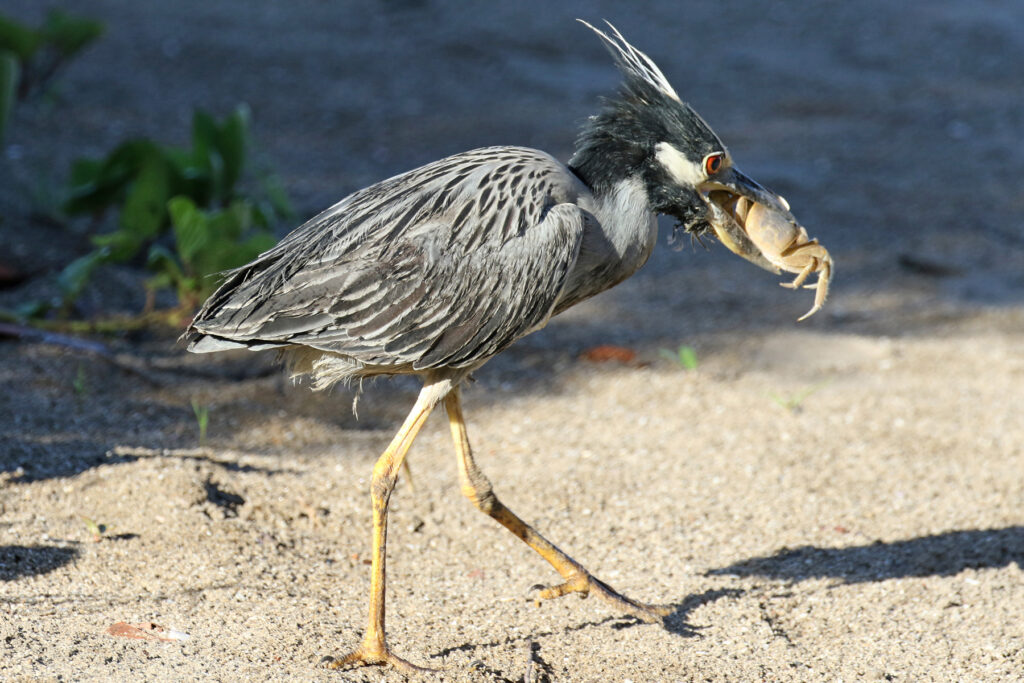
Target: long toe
{"points": [[652, 614], [585, 584], [579, 582], [373, 656]]}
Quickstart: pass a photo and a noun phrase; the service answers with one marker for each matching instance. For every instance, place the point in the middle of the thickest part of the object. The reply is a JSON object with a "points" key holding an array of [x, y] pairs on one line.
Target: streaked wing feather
{"points": [[444, 265]]}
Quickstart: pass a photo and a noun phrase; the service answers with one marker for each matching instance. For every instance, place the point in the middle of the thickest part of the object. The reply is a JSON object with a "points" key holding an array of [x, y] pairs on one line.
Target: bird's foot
{"points": [[373, 653], [583, 583]]}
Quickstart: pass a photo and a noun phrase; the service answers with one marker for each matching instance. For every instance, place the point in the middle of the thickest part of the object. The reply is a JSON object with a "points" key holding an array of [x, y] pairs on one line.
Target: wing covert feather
{"points": [[443, 266]]}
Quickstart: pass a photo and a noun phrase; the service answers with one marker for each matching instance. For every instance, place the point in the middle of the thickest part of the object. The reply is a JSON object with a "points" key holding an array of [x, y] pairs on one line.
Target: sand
{"points": [[836, 500]]}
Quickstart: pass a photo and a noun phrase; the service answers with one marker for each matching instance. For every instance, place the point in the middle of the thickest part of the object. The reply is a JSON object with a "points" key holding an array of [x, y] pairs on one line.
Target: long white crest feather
{"points": [[633, 60]]}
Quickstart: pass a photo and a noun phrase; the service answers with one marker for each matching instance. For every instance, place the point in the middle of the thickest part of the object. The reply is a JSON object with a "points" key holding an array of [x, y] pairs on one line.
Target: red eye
{"points": [[713, 163]]}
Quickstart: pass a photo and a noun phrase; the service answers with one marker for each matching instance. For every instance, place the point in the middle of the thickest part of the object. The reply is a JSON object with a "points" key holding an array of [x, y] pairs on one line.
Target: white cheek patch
{"points": [[682, 170]]}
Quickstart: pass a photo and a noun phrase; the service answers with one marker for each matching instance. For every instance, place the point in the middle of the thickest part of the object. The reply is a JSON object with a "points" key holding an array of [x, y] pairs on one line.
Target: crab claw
{"points": [[757, 225]]}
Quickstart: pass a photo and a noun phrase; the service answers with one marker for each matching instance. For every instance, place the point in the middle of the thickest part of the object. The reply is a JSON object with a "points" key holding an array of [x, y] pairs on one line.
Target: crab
{"points": [[782, 242], [786, 245]]}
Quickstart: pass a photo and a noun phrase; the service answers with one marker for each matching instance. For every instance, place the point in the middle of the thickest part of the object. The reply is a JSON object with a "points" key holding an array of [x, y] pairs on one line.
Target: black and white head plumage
{"points": [[632, 62], [647, 130]]}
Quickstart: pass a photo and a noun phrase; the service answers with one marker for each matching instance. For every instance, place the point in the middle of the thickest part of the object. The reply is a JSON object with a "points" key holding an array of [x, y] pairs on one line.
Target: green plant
{"points": [[96, 529], [202, 413], [181, 207], [30, 58], [794, 402], [206, 243], [685, 356], [9, 73], [80, 382]]}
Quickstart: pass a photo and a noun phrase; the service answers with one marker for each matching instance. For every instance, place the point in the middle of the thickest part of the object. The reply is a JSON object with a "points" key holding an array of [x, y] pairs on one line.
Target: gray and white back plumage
{"points": [[442, 266]]}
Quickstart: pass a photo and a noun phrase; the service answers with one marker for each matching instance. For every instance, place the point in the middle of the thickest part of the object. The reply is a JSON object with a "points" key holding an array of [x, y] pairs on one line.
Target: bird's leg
{"points": [[374, 649], [407, 471], [577, 579]]}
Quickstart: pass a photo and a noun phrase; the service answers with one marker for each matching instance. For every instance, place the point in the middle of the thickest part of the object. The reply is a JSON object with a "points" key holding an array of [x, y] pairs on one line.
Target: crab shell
{"points": [[784, 244]]}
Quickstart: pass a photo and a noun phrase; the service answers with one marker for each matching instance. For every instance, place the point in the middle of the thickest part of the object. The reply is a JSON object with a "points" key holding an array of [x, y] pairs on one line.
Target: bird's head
{"points": [[647, 131]]}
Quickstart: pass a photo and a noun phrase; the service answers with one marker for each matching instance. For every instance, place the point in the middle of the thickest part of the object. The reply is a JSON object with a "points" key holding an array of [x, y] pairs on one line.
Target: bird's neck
{"points": [[616, 243], [616, 172], [622, 237], [602, 160], [628, 227]]}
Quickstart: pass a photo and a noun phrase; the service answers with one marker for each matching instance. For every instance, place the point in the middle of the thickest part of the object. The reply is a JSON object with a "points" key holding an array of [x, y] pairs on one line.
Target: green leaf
{"points": [[226, 254], [234, 221], [137, 172], [195, 174], [191, 228], [256, 245], [159, 281], [688, 357], [76, 274], [206, 160], [122, 244], [85, 172], [10, 72], [231, 145], [202, 413], [187, 289], [97, 185], [204, 132], [685, 357], [278, 198], [19, 39], [33, 308], [69, 34], [162, 261], [159, 188], [145, 207]]}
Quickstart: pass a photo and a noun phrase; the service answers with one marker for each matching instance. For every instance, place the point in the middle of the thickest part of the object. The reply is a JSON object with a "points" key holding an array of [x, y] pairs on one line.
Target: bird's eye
{"points": [[713, 163]]}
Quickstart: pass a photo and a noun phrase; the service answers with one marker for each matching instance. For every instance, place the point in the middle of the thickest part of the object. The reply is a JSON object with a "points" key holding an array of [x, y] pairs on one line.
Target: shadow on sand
{"points": [[676, 622], [942, 554], [17, 561], [75, 456]]}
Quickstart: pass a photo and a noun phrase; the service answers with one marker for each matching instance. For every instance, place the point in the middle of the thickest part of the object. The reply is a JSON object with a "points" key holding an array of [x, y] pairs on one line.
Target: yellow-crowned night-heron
{"points": [[435, 271]]}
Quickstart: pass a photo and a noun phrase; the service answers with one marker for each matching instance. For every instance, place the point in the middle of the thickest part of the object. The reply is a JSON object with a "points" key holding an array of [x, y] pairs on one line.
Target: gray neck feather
{"points": [[617, 241]]}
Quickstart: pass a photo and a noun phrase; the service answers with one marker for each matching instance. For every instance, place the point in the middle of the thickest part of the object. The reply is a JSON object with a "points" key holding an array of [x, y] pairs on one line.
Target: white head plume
{"points": [[632, 61]]}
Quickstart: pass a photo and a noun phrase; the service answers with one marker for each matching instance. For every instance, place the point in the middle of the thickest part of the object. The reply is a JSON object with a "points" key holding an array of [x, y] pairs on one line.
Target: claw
{"points": [[814, 309], [585, 584], [373, 652], [786, 245], [372, 656]]}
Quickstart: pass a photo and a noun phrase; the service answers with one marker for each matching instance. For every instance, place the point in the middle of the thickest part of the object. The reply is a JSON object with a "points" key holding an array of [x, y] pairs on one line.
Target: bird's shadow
{"points": [[676, 622], [943, 554], [17, 561], [78, 455]]}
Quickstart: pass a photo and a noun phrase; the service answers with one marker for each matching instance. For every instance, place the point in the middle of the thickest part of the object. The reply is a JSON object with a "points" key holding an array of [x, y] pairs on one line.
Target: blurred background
{"points": [[894, 131]]}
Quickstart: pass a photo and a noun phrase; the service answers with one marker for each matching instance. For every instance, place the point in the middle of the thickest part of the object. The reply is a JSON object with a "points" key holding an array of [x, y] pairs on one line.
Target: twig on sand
{"points": [[123, 362]]}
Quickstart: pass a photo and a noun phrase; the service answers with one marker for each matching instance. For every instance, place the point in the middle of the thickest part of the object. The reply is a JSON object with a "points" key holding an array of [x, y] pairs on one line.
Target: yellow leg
{"points": [[407, 471], [577, 579], [374, 649]]}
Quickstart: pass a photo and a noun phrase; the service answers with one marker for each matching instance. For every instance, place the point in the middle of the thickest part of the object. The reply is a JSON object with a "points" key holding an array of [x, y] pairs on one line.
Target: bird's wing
{"points": [[442, 266]]}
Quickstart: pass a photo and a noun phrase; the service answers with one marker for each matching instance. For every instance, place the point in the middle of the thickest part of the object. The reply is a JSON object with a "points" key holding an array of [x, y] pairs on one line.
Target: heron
{"points": [[435, 271]]}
